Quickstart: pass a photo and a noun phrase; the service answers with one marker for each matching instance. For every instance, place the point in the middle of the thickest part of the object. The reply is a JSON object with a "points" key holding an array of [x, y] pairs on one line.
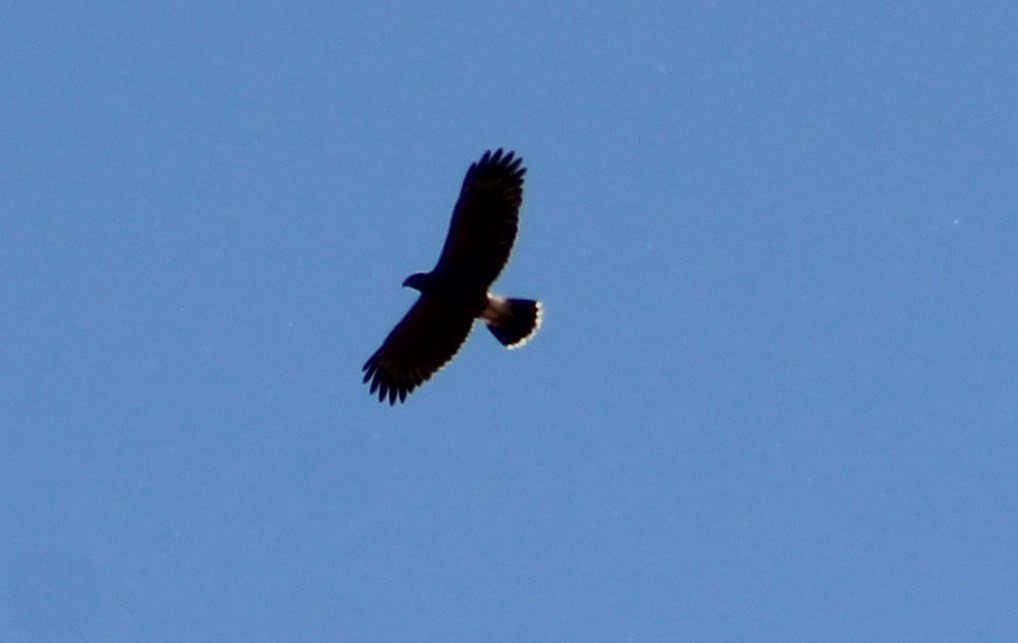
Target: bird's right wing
{"points": [[421, 343]]}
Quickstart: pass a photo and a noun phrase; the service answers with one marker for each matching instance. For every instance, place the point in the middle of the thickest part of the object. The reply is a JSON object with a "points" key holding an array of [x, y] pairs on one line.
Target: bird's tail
{"points": [[512, 321]]}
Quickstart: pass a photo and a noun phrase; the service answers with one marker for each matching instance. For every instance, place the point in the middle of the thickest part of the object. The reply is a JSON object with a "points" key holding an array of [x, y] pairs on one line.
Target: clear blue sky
{"points": [[775, 397]]}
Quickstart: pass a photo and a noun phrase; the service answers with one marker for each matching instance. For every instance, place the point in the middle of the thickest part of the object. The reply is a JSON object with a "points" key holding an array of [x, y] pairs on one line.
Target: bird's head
{"points": [[418, 281]]}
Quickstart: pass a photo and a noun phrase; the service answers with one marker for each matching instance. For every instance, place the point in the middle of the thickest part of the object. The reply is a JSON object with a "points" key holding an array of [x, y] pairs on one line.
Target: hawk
{"points": [[455, 292]]}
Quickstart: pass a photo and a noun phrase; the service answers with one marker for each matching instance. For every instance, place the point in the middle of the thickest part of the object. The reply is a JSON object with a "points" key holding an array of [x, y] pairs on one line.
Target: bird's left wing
{"points": [[485, 221]]}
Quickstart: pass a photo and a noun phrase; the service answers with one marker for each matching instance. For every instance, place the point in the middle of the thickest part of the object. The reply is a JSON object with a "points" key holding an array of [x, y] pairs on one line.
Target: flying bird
{"points": [[455, 292]]}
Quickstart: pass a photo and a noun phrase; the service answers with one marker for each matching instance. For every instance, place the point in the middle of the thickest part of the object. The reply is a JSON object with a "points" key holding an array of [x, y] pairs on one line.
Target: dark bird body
{"points": [[481, 235]]}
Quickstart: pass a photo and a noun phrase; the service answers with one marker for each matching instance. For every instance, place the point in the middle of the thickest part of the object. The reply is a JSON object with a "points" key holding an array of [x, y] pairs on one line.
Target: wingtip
{"points": [[499, 156]]}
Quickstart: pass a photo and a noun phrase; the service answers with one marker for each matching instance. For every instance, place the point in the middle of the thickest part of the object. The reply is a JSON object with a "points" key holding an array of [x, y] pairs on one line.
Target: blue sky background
{"points": [[774, 397]]}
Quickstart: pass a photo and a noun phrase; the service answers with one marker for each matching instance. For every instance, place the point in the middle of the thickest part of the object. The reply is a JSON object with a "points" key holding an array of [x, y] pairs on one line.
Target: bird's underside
{"points": [[477, 246]]}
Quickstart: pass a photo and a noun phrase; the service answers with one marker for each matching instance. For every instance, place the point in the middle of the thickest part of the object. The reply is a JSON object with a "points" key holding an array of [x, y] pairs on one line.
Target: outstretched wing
{"points": [[484, 222], [420, 344]]}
